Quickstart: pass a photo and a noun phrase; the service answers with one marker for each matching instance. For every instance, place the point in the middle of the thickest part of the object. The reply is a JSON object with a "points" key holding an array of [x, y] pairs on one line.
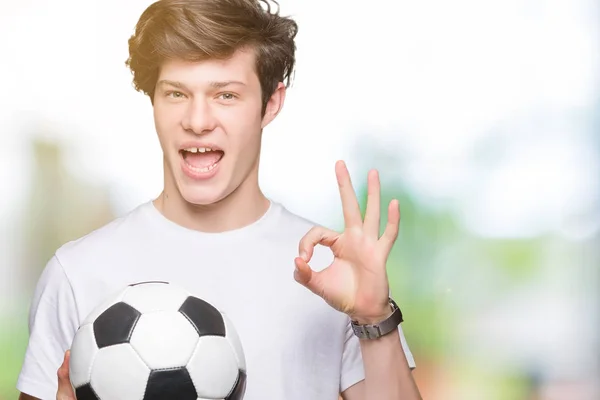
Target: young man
{"points": [[216, 72]]}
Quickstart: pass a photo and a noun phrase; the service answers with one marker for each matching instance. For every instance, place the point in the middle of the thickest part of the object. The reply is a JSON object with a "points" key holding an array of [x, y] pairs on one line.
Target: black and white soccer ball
{"points": [[155, 340]]}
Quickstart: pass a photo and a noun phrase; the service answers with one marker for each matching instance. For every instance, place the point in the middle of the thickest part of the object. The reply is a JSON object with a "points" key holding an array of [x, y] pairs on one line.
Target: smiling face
{"points": [[209, 120]]}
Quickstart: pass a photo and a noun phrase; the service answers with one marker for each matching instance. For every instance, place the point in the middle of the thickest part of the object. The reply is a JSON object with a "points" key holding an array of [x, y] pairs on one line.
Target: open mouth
{"points": [[201, 159]]}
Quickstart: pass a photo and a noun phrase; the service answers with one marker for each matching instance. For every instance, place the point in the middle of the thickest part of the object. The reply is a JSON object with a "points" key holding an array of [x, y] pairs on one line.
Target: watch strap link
{"points": [[375, 331]]}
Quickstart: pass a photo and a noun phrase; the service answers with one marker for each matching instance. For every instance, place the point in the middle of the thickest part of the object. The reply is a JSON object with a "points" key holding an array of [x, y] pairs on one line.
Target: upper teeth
{"points": [[198, 149]]}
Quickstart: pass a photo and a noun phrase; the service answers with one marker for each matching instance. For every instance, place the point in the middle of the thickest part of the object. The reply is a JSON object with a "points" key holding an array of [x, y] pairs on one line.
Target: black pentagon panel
{"points": [[143, 283], [115, 325], [239, 389], [203, 316], [170, 384], [86, 392]]}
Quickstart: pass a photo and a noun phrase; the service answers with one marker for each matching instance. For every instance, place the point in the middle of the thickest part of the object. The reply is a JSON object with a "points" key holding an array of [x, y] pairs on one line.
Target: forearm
{"points": [[387, 374]]}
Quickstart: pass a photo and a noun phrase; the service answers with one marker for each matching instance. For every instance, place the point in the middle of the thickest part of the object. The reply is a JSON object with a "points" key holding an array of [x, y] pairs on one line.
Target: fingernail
{"points": [[303, 255]]}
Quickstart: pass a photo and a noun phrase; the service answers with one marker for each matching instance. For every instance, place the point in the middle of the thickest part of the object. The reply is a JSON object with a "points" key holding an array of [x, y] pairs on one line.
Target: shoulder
{"points": [[291, 223], [111, 238]]}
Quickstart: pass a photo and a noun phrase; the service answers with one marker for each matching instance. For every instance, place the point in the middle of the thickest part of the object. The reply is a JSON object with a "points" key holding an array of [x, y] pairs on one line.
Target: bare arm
{"points": [[387, 374]]}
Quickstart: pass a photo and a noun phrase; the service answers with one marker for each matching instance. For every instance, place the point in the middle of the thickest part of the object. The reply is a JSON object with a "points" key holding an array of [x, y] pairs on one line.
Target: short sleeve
{"points": [[352, 363], [52, 326]]}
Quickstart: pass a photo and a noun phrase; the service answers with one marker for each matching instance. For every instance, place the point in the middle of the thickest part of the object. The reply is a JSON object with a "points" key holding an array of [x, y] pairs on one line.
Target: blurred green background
{"points": [[483, 118]]}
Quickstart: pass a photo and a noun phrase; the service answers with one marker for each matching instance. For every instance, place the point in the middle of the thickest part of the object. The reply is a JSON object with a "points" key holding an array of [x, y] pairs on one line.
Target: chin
{"points": [[201, 196]]}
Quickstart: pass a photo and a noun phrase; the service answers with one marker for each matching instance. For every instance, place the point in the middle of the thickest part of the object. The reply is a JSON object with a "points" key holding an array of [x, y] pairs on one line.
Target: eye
{"points": [[227, 96], [174, 94]]}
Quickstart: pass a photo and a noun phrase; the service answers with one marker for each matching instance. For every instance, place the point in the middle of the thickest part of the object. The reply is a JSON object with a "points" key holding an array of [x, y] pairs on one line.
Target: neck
{"points": [[242, 207]]}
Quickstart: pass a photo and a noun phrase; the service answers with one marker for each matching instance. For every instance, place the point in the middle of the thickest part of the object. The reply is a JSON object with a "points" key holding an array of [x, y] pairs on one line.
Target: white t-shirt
{"points": [[296, 346]]}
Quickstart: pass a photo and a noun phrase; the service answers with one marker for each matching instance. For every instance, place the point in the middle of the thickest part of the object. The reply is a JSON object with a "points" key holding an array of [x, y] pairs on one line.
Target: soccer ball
{"points": [[152, 341]]}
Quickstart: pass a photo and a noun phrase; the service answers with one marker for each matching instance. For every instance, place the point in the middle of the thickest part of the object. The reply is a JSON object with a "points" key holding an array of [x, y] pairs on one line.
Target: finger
{"points": [[352, 217], [63, 371], [304, 275], [65, 390], [372, 214], [63, 379], [391, 229], [317, 235]]}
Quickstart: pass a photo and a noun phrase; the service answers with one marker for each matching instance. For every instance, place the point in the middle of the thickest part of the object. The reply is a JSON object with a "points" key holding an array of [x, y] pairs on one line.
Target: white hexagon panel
{"points": [[164, 339]]}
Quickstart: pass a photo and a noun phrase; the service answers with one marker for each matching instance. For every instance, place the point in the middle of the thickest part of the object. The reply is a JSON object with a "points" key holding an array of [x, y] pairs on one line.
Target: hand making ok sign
{"points": [[356, 282]]}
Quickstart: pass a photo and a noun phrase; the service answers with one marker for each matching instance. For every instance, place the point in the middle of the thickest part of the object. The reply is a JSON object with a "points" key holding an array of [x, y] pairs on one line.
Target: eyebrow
{"points": [[223, 84], [214, 84]]}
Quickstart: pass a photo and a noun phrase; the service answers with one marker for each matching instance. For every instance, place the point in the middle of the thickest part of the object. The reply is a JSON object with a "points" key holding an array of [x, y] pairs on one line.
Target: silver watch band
{"points": [[382, 328]]}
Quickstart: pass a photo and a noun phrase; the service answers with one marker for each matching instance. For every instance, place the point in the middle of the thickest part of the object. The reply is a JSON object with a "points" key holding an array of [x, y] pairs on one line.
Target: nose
{"points": [[199, 118]]}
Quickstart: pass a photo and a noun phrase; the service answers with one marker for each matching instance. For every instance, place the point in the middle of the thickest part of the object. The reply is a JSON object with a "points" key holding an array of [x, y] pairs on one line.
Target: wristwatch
{"points": [[382, 328]]}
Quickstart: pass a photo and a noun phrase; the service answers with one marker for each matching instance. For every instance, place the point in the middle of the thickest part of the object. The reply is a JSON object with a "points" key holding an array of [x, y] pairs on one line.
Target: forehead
{"points": [[241, 66]]}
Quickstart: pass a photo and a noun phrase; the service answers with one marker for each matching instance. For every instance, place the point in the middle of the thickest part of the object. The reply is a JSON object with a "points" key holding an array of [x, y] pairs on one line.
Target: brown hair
{"points": [[196, 30]]}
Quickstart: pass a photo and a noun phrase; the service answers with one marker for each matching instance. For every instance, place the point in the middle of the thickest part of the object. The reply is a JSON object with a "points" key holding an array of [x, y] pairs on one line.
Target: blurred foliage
{"points": [[61, 208], [518, 260], [13, 342]]}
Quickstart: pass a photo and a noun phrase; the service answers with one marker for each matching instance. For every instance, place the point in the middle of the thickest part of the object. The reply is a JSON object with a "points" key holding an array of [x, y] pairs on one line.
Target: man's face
{"points": [[209, 124]]}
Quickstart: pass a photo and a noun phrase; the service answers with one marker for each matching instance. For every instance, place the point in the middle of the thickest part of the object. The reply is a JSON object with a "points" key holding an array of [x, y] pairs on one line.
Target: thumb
{"points": [[65, 390], [305, 276]]}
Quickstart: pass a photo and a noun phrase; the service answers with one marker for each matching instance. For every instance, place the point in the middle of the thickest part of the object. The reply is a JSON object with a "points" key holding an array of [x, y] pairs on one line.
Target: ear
{"points": [[274, 105]]}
